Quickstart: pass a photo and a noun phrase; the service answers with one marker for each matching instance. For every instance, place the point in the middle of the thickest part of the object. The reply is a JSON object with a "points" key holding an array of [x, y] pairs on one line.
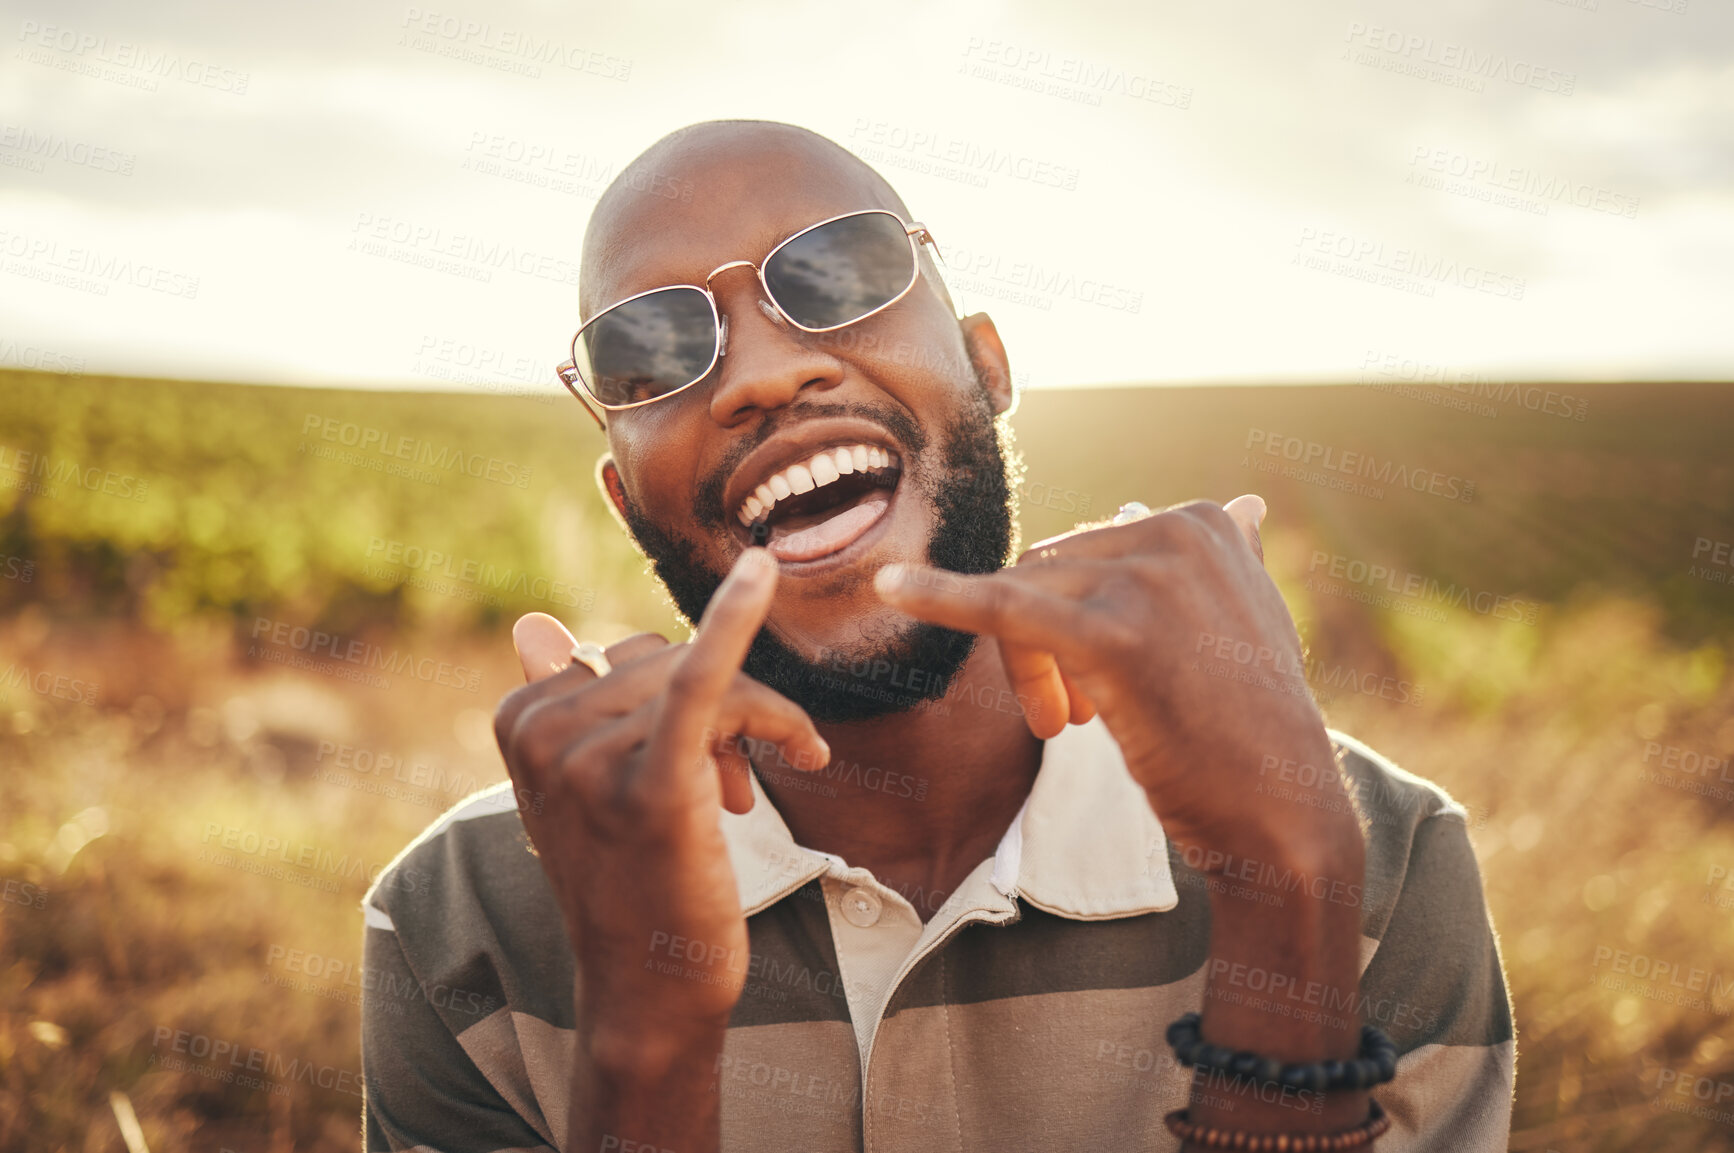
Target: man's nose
{"points": [[768, 361]]}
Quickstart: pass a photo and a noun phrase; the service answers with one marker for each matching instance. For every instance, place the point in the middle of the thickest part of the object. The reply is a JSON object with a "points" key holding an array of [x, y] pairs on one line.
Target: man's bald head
{"points": [[713, 171]]}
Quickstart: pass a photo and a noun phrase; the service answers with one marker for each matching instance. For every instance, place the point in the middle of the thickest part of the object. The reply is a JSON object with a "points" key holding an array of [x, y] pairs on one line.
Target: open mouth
{"points": [[821, 505]]}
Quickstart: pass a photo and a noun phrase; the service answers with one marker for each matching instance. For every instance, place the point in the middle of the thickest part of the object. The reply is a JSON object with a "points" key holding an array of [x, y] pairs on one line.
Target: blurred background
{"points": [[282, 457]]}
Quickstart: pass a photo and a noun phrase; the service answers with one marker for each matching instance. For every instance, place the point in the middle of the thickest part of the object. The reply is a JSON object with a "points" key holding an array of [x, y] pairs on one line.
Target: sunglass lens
{"points": [[647, 347], [839, 272]]}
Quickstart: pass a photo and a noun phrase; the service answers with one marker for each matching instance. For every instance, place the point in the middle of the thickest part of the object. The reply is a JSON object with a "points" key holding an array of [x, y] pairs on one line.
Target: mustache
{"points": [[707, 504]]}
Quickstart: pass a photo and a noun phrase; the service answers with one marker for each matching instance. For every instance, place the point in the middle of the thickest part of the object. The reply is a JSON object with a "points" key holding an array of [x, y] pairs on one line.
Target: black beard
{"points": [[971, 498]]}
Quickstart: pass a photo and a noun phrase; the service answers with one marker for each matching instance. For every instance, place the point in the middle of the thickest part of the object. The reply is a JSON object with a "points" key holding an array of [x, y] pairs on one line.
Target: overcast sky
{"points": [[379, 193]]}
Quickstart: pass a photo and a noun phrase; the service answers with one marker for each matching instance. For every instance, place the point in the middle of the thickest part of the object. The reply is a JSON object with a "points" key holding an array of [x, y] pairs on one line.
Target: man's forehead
{"points": [[677, 213]]}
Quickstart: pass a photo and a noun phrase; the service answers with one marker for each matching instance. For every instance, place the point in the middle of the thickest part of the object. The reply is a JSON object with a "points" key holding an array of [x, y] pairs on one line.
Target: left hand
{"points": [[1171, 629]]}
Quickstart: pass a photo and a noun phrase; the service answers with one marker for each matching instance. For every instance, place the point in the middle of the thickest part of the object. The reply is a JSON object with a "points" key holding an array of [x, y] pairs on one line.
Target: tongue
{"points": [[828, 536]]}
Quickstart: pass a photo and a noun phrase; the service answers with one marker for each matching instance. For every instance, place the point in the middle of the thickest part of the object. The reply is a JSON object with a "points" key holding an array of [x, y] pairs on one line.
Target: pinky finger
{"points": [[1036, 677], [734, 777]]}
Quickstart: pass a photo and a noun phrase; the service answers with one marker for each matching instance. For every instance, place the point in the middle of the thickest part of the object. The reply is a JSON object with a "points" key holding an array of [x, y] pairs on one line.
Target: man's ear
{"points": [[987, 354], [608, 480]]}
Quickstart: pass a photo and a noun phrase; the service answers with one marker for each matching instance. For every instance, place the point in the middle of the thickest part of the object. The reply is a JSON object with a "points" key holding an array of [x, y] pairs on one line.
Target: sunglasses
{"points": [[831, 274]]}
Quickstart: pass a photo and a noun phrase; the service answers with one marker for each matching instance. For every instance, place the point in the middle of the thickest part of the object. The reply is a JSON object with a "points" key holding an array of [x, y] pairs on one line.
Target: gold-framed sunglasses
{"points": [[828, 275]]}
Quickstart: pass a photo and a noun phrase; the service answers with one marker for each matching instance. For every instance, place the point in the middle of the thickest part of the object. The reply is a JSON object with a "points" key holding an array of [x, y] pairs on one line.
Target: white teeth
{"points": [[822, 469]]}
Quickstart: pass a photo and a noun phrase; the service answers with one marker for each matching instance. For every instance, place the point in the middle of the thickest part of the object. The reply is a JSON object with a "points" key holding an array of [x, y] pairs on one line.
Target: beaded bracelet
{"points": [[1208, 1137], [1376, 1065]]}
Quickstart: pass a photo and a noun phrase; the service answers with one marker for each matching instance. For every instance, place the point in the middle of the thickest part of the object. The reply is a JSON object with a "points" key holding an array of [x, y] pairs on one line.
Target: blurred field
{"points": [[191, 805]]}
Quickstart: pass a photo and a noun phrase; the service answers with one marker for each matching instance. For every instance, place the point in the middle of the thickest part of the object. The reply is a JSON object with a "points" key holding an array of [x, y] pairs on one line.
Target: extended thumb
{"points": [[544, 646]]}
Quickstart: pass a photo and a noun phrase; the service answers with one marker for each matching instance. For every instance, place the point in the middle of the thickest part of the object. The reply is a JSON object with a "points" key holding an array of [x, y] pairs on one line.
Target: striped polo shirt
{"points": [[1027, 1013]]}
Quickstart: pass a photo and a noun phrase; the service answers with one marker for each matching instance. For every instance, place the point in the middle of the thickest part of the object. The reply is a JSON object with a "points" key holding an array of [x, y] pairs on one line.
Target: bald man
{"points": [[910, 846]]}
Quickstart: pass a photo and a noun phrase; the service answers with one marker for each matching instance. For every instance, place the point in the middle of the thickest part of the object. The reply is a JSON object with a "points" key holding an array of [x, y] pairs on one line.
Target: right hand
{"points": [[633, 768]]}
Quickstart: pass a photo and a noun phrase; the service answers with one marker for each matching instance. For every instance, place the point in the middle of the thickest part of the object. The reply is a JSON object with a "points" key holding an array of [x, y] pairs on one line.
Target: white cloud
{"points": [[271, 142]]}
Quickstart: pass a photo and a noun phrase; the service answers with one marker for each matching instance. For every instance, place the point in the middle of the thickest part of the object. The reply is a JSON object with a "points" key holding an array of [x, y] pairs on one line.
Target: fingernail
{"points": [[754, 566], [890, 578]]}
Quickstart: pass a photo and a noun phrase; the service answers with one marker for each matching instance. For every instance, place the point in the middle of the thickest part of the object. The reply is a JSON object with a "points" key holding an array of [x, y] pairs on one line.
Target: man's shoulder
{"points": [[1403, 817], [1385, 792], [472, 865]]}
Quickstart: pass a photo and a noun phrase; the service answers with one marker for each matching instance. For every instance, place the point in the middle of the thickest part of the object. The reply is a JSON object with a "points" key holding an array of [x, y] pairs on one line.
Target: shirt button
{"points": [[861, 908]]}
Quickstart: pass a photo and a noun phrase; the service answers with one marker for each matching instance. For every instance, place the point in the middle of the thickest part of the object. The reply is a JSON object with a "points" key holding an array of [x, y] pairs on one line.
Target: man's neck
{"points": [[919, 798]]}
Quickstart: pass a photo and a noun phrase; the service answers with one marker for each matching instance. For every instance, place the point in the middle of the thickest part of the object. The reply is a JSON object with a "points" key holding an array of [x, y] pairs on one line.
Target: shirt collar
{"points": [[1086, 844]]}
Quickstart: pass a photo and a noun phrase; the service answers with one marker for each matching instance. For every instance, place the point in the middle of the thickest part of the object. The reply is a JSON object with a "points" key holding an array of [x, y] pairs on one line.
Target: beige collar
{"points": [[1085, 845]]}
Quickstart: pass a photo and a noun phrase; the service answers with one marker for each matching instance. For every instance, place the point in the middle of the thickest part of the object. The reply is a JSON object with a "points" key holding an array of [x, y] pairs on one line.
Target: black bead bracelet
{"points": [[1376, 1064]]}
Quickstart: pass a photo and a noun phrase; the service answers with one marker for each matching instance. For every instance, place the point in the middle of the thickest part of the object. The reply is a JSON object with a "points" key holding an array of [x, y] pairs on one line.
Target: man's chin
{"points": [[880, 680]]}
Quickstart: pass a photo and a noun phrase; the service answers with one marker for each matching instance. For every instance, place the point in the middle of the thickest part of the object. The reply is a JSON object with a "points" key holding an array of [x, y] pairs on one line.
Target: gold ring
{"points": [[592, 657]]}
